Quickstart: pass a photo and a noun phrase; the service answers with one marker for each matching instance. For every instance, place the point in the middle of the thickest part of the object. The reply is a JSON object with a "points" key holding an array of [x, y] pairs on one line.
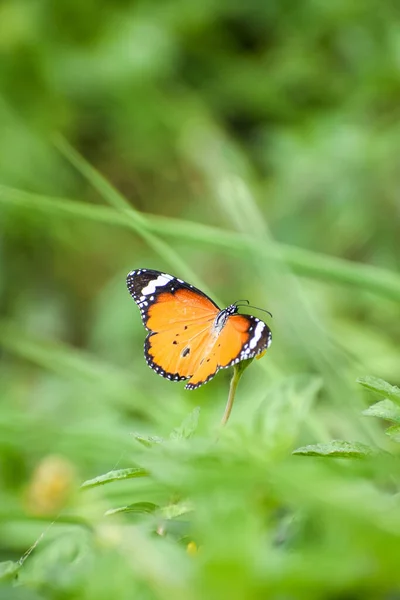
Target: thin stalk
{"points": [[237, 373]]}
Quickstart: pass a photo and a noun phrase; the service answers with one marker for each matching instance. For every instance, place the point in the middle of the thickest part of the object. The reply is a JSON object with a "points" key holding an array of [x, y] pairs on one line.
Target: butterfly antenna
{"points": [[257, 307], [237, 302]]}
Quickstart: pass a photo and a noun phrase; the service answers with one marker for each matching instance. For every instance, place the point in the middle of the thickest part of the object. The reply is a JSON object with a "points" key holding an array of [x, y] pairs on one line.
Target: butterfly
{"points": [[190, 337]]}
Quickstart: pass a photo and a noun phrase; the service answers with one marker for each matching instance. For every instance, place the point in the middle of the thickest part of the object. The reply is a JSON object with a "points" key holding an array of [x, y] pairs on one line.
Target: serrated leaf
{"points": [[337, 449], [283, 411], [188, 426], [148, 440], [381, 387], [117, 475], [8, 570], [137, 507], [384, 409], [394, 433], [172, 511]]}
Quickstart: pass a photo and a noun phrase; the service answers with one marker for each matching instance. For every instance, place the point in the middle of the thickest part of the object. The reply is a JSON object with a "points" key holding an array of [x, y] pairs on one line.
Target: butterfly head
{"points": [[232, 309], [223, 316]]}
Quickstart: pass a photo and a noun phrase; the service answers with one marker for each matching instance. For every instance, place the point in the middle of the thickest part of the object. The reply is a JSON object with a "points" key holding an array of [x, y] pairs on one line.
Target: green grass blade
{"points": [[136, 219], [60, 358], [100, 183], [303, 262]]}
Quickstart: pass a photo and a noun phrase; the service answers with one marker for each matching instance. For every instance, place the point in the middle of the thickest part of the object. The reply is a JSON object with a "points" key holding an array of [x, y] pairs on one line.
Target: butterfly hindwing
{"points": [[242, 337], [176, 353]]}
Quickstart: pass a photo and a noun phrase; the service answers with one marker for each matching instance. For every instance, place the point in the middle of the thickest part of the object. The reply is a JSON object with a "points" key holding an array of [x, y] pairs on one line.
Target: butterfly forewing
{"points": [[178, 315], [166, 300]]}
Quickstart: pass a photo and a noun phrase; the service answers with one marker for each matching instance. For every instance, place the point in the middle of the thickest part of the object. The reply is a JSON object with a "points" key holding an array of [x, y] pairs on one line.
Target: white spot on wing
{"points": [[155, 283], [269, 340], [257, 335]]}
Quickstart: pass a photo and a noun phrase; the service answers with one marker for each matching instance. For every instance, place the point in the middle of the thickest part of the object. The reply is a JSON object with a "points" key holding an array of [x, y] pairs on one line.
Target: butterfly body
{"points": [[190, 337]]}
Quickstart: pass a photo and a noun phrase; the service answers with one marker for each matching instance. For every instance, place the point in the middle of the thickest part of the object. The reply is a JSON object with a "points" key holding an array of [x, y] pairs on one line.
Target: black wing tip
{"points": [[130, 280], [132, 274]]}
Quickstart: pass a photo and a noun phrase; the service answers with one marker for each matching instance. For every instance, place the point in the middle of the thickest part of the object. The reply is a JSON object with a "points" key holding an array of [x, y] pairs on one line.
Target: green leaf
{"points": [[176, 510], [337, 449], [8, 570], [188, 426], [394, 433], [243, 364], [381, 387], [117, 475], [172, 511], [384, 409], [148, 440], [282, 413], [137, 507]]}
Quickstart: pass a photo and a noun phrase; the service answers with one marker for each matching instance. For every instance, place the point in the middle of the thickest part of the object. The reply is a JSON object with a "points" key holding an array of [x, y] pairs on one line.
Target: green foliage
{"points": [[188, 426], [8, 570], [336, 449], [385, 409], [117, 475], [252, 149], [381, 387], [136, 507]]}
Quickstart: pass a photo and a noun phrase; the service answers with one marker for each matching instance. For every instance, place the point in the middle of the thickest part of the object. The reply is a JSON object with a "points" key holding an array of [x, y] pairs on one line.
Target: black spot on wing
{"points": [[157, 368]]}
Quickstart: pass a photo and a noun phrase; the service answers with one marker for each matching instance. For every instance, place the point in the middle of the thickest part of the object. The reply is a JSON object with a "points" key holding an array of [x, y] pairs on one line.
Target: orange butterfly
{"points": [[190, 337]]}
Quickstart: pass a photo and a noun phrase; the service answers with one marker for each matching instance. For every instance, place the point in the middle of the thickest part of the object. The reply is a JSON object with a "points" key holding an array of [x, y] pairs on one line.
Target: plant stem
{"points": [[237, 373]]}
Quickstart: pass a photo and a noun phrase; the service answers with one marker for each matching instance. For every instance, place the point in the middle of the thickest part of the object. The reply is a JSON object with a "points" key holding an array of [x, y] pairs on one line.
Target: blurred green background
{"points": [[251, 148]]}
